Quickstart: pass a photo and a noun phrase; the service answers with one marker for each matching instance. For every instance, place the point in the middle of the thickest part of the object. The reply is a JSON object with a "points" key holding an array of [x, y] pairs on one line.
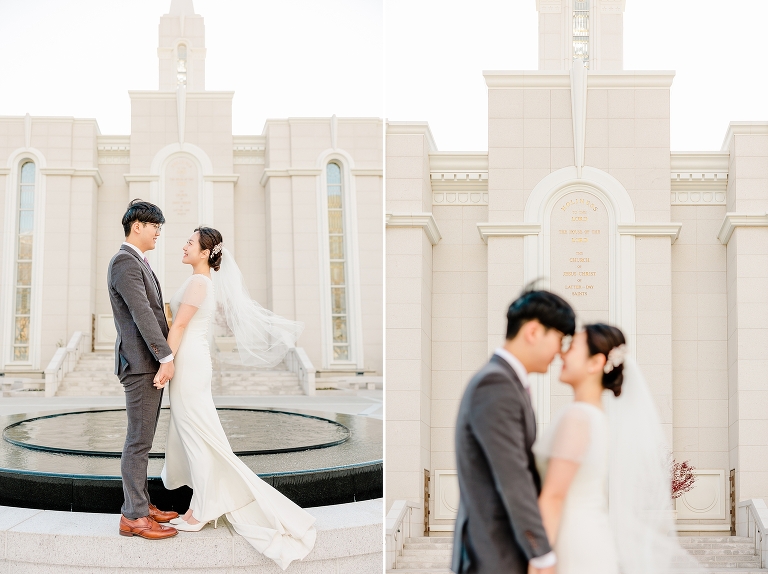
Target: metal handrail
{"points": [[394, 529], [756, 518]]}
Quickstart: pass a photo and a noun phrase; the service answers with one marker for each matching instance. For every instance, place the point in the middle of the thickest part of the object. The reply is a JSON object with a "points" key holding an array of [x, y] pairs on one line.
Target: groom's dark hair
{"points": [[551, 311], [143, 212]]}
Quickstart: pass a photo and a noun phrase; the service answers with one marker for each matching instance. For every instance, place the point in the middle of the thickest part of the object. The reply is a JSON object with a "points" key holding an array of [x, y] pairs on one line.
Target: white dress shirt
{"points": [[549, 559], [169, 358]]}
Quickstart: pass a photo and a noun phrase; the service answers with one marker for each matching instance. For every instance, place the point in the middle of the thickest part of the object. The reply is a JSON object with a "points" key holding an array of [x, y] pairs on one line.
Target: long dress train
{"points": [[199, 455]]}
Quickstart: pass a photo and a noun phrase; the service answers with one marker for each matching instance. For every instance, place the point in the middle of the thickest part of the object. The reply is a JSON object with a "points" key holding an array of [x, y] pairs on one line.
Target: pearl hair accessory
{"points": [[217, 249], [615, 358]]}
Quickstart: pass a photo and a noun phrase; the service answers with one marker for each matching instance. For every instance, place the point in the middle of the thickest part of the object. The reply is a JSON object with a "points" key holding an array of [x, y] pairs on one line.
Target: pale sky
{"points": [[436, 51], [283, 58]]}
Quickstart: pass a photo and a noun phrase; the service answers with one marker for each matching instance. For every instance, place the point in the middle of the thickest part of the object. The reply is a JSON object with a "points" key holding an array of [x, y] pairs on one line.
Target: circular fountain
{"points": [[70, 459]]}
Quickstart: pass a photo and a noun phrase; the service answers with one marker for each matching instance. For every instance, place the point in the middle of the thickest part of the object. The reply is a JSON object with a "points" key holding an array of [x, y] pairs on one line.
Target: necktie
{"points": [[147, 263]]}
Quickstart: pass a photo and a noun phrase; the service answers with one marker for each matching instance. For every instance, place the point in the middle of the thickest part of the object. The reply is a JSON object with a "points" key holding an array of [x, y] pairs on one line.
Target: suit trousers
{"points": [[142, 403]]}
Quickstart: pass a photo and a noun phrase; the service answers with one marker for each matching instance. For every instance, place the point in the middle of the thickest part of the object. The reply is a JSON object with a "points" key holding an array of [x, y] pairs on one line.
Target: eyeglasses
{"points": [[157, 226]]}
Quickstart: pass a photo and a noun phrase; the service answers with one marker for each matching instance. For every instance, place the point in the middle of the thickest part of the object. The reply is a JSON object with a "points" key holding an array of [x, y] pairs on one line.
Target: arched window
{"points": [[23, 272], [581, 31], [181, 65], [338, 262]]}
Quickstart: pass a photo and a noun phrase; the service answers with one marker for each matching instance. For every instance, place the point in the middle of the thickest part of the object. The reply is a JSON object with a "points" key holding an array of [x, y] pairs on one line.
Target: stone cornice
{"points": [[288, 173], [671, 230], [424, 220], [222, 177], [743, 128], [487, 230], [171, 95], [458, 171], [74, 172], [140, 177], [458, 161], [733, 220], [361, 171], [561, 79], [5, 170], [413, 128]]}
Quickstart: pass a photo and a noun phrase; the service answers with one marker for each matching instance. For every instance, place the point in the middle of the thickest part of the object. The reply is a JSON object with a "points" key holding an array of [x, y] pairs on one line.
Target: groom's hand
{"points": [[164, 374], [534, 570]]}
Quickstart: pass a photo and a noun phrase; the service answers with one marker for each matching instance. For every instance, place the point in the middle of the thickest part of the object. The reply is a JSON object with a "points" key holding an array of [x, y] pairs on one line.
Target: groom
{"points": [[499, 528], [142, 357]]}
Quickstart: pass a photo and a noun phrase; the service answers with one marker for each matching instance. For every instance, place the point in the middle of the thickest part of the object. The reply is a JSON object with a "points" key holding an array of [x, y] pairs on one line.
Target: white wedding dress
{"points": [[585, 540], [198, 453]]}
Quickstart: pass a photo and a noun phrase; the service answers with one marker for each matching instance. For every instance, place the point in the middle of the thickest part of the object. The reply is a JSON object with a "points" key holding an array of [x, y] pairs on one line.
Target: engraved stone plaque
{"points": [[579, 254], [181, 214]]}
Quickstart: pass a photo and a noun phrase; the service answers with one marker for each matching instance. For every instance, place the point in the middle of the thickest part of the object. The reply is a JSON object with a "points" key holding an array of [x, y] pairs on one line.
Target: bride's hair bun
{"points": [[602, 339], [209, 239]]}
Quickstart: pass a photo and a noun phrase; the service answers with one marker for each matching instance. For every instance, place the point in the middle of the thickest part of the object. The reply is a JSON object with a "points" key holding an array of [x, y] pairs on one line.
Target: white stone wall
{"points": [[409, 284]]}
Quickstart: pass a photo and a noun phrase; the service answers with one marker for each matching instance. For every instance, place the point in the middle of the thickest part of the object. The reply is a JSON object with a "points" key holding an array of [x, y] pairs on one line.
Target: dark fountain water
{"points": [[70, 459]]}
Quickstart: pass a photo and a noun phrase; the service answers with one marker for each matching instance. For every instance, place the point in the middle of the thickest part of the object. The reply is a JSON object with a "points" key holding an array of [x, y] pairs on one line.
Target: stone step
{"points": [[422, 564], [423, 571]]}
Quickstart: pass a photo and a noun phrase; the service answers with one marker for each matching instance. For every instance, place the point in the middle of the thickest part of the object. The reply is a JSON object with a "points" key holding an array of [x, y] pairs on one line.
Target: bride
{"points": [[606, 498], [198, 453]]}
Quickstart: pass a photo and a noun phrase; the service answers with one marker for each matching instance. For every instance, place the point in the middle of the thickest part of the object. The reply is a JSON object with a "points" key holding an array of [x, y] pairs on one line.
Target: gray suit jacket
{"points": [[498, 528], [137, 306]]}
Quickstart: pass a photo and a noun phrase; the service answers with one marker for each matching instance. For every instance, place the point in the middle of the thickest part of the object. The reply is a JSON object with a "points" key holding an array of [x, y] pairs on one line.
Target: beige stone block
{"points": [[404, 344], [561, 132], [447, 384], [710, 282], [751, 374], [443, 439], [474, 257], [403, 290], [713, 384], [711, 328], [686, 439], [446, 356], [403, 375], [505, 133], [621, 132], [536, 132], [654, 349], [403, 433], [753, 405], [560, 104], [714, 460], [531, 177], [447, 281], [446, 330], [473, 355], [504, 158], [713, 413], [402, 458], [445, 257], [403, 316], [712, 355], [685, 413], [561, 157], [754, 458], [713, 439], [443, 461], [621, 104], [597, 134], [752, 485], [536, 103], [652, 103], [474, 282], [444, 412], [597, 104], [596, 157], [751, 168], [505, 103], [536, 158], [685, 384], [404, 485], [753, 432], [403, 405], [653, 133], [653, 274], [447, 305]]}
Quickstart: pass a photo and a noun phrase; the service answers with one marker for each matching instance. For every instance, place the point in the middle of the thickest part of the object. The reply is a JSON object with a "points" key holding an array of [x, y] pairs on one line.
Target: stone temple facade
{"points": [[299, 205], [580, 189]]}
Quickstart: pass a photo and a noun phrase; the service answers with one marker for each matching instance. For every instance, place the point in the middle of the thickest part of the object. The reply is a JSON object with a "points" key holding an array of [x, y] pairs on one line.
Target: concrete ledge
{"points": [[349, 540]]}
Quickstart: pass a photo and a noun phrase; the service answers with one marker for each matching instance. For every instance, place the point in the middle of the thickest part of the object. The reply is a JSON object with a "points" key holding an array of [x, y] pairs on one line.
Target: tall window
{"points": [[337, 249], [581, 31], [23, 285], [181, 66]]}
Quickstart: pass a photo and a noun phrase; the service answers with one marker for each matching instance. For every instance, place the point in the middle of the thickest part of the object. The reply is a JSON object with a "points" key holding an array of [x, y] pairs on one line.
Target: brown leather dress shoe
{"points": [[146, 527], [161, 515]]}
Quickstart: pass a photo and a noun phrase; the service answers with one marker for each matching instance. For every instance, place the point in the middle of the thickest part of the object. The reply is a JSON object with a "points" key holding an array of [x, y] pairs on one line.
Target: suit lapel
{"points": [[148, 270], [519, 385]]}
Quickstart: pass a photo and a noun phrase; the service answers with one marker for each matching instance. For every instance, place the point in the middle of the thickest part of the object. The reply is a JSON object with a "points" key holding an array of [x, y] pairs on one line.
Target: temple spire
{"points": [[181, 49]]}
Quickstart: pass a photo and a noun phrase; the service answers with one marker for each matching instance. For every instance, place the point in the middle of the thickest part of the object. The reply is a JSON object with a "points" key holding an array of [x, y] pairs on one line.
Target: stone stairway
{"points": [[93, 376], [718, 554], [724, 554], [425, 554]]}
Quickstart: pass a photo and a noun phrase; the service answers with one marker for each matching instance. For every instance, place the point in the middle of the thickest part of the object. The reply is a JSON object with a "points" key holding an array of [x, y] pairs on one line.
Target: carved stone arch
{"points": [[621, 249], [203, 207]]}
